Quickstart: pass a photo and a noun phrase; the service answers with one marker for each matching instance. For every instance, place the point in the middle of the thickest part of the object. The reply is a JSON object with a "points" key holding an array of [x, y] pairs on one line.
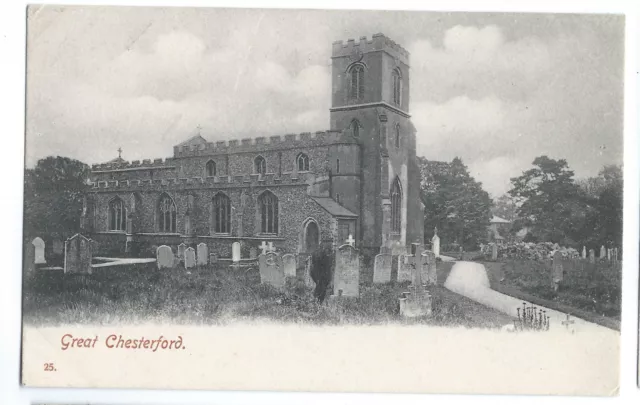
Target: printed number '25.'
{"points": [[49, 367]]}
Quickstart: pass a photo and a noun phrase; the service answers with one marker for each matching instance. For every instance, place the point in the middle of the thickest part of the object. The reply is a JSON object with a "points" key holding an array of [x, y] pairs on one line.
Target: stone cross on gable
{"points": [[119, 152], [350, 241]]}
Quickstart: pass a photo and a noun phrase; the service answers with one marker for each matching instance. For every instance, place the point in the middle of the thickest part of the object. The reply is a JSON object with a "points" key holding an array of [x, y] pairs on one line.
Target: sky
{"points": [[496, 90]]}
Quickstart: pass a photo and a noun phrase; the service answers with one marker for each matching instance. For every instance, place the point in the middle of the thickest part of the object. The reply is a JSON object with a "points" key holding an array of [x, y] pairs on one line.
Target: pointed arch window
{"points": [[396, 79], [355, 128], [211, 168], [268, 206], [397, 136], [221, 213], [303, 162], [117, 215], [396, 206], [166, 214], [356, 82], [260, 165]]}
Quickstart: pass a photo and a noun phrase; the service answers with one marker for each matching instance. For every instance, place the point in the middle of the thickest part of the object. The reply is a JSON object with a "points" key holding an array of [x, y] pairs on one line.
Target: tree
{"points": [[505, 207], [53, 192], [454, 202], [603, 225], [550, 203]]}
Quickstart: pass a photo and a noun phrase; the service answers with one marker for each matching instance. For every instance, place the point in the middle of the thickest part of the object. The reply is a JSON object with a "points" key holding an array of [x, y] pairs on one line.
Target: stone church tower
{"points": [[370, 99]]}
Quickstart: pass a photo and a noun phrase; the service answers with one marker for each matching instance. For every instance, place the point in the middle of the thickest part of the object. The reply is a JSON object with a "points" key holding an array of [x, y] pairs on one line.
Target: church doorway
{"points": [[311, 237]]}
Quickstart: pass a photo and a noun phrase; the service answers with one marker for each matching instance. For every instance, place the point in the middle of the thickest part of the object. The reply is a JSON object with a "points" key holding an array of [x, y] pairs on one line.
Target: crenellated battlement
{"points": [[262, 143], [247, 180], [168, 163], [378, 42]]}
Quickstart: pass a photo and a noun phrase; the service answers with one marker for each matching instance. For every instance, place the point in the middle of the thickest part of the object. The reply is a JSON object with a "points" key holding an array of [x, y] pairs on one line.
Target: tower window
{"points": [[338, 198], [260, 165], [355, 128], [303, 162], [221, 213], [397, 87], [397, 136], [337, 165], [166, 214], [396, 207], [268, 205], [356, 79], [117, 215], [211, 168]]}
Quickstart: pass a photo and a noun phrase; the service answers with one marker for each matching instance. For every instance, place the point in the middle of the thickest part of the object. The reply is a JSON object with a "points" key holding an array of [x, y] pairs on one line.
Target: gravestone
{"points": [[404, 269], [235, 252], [58, 247], [347, 273], [77, 255], [164, 257], [558, 271], [584, 252], [609, 254], [615, 254], [213, 258], [253, 252], [308, 281], [181, 248], [416, 270], [203, 254], [271, 269], [603, 252], [289, 264], [29, 263], [592, 256], [494, 251], [435, 243], [189, 258], [428, 268], [382, 268], [38, 245]]}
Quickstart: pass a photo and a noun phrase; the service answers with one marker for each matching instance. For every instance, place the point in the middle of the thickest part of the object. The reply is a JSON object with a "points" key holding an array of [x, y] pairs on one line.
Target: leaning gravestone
{"points": [[38, 245], [592, 256], [77, 255], [189, 258], [289, 264], [235, 252], [164, 257], [347, 272], [404, 269], [271, 269], [382, 268], [181, 248], [558, 271], [203, 254], [428, 268]]}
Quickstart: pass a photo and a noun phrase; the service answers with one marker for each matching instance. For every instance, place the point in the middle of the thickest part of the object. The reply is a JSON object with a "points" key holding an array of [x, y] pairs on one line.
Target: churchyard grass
{"points": [[211, 295]]}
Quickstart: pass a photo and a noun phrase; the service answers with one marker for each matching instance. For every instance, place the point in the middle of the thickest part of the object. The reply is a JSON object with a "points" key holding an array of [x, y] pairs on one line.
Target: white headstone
{"points": [[235, 252], [382, 268], [189, 258], [38, 244], [289, 263], [609, 254], [347, 273], [164, 257], [435, 243], [603, 252], [264, 247], [584, 252], [203, 254]]}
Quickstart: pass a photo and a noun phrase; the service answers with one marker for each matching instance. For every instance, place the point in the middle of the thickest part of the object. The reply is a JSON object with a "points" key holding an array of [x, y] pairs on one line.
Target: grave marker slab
{"points": [[289, 264], [164, 257], [603, 252], [77, 255], [584, 252], [189, 258], [435, 243], [203, 254], [429, 270], [558, 270], [494, 252], [382, 268], [235, 252], [592, 256], [213, 258], [58, 247], [29, 263], [404, 270], [181, 248], [253, 252], [271, 269], [38, 245], [347, 272]]}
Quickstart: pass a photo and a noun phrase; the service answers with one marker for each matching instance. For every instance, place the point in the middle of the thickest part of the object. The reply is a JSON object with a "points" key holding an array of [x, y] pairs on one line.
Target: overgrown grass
{"points": [[216, 295]]}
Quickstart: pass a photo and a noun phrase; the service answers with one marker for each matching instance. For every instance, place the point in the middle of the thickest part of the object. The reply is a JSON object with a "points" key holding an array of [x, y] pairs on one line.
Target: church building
{"points": [[297, 191]]}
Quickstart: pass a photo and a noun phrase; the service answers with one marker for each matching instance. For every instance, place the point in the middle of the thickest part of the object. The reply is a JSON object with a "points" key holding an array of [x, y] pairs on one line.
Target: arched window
{"points": [[396, 207], [268, 206], [355, 128], [356, 82], [396, 79], [303, 162], [166, 214], [117, 215], [211, 168], [221, 213], [397, 136], [260, 165]]}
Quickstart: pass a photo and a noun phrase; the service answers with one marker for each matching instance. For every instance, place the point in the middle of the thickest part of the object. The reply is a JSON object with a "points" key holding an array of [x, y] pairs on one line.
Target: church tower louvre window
{"points": [[303, 162], [210, 168], [356, 82], [397, 136], [396, 206], [355, 128], [117, 215], [396, 80], [260, 165]]}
